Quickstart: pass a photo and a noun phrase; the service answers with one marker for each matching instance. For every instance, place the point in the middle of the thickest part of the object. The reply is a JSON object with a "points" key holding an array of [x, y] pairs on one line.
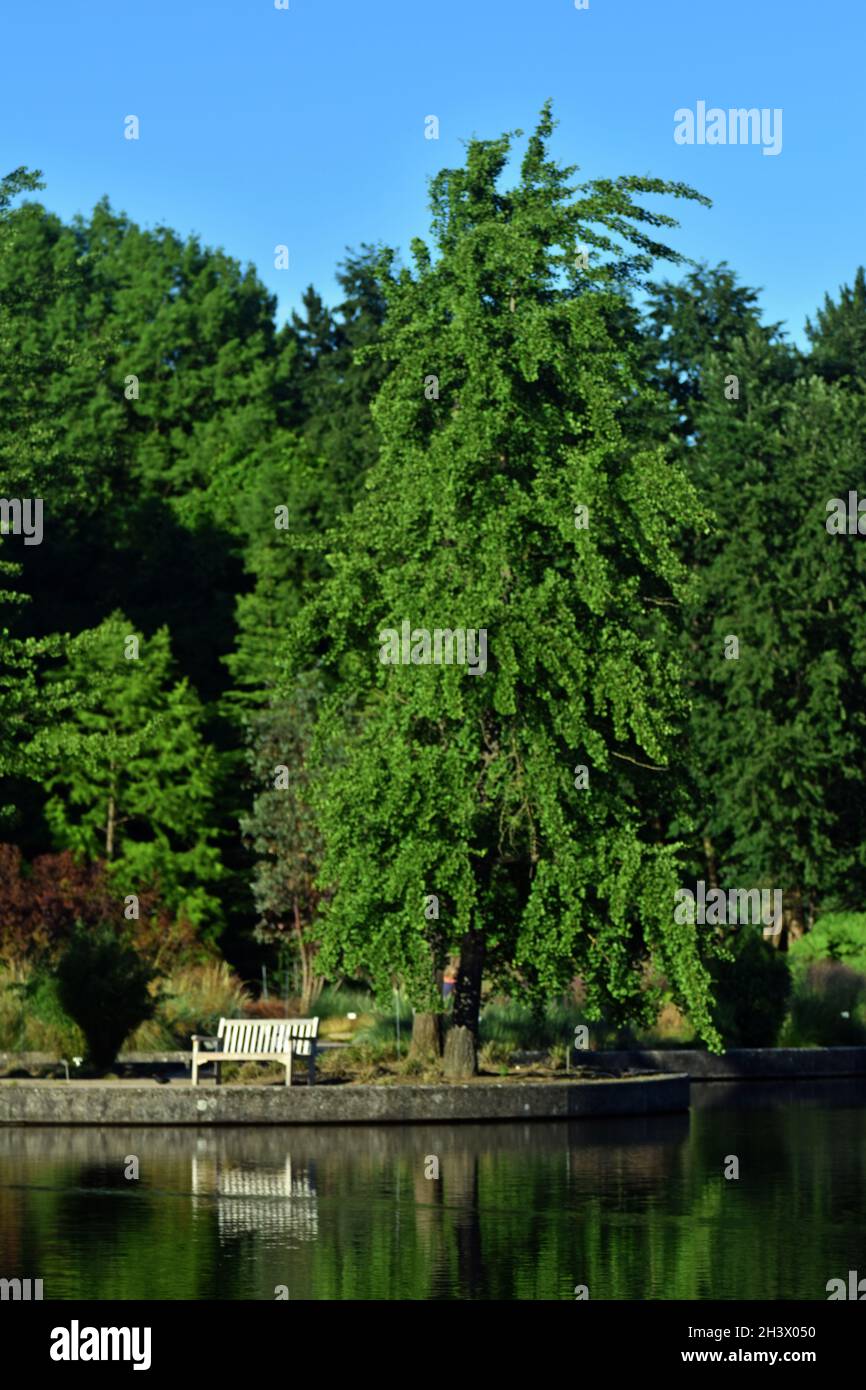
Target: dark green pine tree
{"points": [[706, 313], [316, 472], [43, 364], [838, 335], [337, 383], [132, 777], [777, 722]]}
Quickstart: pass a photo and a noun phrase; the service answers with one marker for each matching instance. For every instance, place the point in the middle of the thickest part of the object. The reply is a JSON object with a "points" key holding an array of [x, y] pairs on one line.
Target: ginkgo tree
{"points": [[522, 488]]}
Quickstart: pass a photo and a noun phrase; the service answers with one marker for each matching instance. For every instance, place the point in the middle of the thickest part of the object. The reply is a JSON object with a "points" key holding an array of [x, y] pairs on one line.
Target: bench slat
{"points": [[239, 1038]]}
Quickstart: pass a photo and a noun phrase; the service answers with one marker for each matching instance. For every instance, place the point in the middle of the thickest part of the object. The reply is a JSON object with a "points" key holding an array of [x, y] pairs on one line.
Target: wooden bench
{"points": [[258, 1040]]}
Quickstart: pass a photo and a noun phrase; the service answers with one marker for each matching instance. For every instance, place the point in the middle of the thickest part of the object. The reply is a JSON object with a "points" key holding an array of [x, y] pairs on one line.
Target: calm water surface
{"points": [[631, 1208]]}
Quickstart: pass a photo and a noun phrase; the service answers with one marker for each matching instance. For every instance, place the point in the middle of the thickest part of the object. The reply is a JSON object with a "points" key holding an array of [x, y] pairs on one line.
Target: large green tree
{"points": [[779, 718], [38, 462], [515, 371], [771, 638]]}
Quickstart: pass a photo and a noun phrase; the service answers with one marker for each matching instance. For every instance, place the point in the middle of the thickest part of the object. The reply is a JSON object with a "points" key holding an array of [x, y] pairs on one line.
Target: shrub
{"points": [[41, 902], [192, 999], [104, 986], [560, 1055], [514, 1023], [751, 991], [839, 936], [32, 1018], [824, 993]]}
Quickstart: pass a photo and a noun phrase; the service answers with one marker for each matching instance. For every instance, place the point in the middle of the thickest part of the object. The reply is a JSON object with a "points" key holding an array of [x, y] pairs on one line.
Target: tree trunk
{"points": [[461, 1042], [710, 855], [426, 1036], [796, 919], [311, 983], [460, 1058], [467, 989]]}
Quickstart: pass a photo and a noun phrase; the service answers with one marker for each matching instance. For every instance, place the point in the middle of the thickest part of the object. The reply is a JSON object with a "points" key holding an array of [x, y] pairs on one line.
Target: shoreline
{"points": [[125, 1103]]}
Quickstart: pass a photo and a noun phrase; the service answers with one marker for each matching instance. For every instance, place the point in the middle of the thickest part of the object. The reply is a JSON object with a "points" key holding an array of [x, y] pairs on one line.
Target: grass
{"points": [[192, 999], [35, 1022]]}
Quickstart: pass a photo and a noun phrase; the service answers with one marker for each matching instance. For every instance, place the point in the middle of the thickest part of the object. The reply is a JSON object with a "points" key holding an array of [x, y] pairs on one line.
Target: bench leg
{"points": [[289, 1070], [217, 1069], [311, 1067]]}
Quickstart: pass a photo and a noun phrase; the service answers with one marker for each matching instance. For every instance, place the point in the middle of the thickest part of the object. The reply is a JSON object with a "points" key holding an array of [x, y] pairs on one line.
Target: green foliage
{"points": [[751, 990], [32, 1018], [281, 830], [828, 1006], [338, 380], [104, 986], [837, 936], [134, 779], [430, 780], [703, 316], [508, 1022], [838, 335], [451, 508], [338, 1001], [192, 999], [381, 1031], [775, 732]]}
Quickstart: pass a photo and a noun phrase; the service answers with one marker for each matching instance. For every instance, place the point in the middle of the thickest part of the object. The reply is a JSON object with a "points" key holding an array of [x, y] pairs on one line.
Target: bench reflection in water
{"points": [[273, 1201]]}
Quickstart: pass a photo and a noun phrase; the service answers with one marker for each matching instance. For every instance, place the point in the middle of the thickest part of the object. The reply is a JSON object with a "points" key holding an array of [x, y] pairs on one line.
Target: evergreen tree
{"points": [[133, 779], [341, 381], [282, 832], [777, 725], [37, 461], [704, 315], [838, 336]]}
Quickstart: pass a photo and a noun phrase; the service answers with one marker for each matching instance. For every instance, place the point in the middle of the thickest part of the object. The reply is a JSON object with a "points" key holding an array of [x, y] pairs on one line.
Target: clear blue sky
{"points": [[306, 127]]}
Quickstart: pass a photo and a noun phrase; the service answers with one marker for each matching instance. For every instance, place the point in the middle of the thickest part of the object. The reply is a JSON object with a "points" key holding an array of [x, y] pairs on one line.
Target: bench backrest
{"points": [[253, 1036]]}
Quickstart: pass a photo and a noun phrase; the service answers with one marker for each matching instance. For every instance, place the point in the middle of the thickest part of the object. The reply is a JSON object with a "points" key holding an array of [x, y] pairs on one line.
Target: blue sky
{"points": [[306, 127]]}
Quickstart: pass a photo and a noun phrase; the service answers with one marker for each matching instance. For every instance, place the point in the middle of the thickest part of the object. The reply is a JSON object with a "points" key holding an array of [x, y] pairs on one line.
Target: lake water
{"points": [[630, 1208]]}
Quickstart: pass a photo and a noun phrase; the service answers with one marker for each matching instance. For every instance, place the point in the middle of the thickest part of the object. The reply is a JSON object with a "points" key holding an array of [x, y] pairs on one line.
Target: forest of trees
{"points": [[623, 479]]}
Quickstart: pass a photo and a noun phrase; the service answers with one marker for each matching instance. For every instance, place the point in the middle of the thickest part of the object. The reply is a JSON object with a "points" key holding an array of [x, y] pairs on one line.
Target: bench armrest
{"points": [[203, 1037]]}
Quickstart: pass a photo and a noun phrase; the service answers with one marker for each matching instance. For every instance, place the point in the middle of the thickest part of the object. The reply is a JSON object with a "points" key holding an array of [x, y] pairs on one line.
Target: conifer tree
{"points": [[132, 778], [838, 335]]}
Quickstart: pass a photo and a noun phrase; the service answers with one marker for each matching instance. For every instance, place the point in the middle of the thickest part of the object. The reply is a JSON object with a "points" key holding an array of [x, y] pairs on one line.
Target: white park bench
{"points": [[258, 1040]]}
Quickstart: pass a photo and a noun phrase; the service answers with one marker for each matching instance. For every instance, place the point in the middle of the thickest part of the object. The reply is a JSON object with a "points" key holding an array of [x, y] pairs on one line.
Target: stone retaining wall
{"points": [[119, 1103], [738, 1063]]}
